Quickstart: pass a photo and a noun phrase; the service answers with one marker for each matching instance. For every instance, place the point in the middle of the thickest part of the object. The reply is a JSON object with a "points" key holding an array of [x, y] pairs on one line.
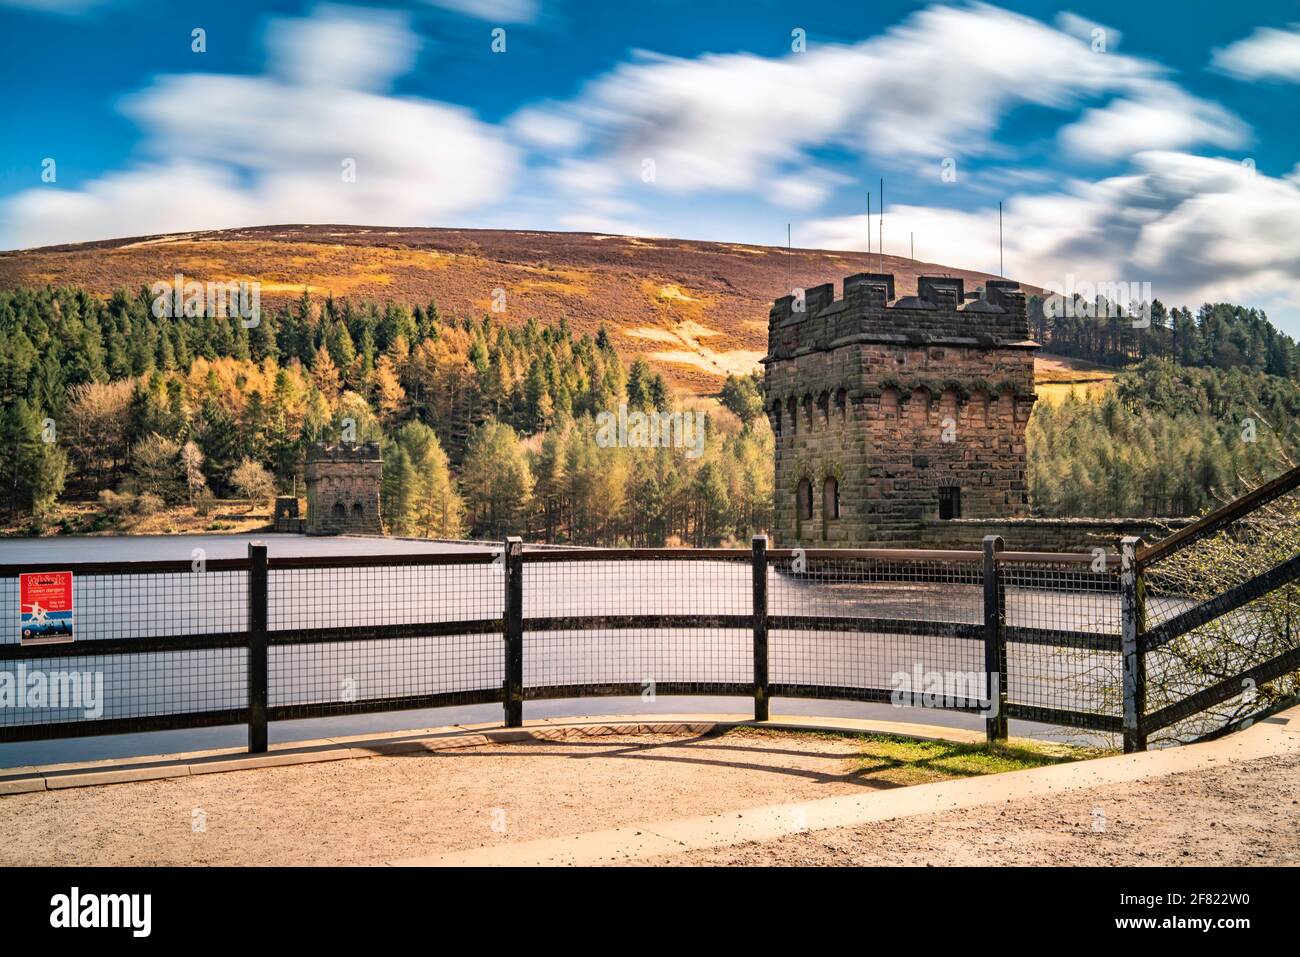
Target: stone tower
{"points": [[343, 489], [892, 413]]}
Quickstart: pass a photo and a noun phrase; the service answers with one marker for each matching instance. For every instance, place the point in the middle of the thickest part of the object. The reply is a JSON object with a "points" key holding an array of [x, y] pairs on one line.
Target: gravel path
{"points": [[1244, 813], [370, 810]]}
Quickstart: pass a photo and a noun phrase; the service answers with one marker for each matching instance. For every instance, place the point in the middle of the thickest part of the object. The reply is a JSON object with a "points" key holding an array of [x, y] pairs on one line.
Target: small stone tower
{"points": [[890, 413], [343, 489]]}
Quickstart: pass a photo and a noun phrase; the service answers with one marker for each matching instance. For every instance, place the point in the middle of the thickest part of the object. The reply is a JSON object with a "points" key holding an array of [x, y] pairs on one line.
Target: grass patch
{"points": [[89, 518], [904, 761], [1056, 377], [900, 761], [1055, 393]]}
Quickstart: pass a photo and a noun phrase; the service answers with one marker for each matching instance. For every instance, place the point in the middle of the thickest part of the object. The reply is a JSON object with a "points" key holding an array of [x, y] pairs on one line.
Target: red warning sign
{"points": [[45, 604]]}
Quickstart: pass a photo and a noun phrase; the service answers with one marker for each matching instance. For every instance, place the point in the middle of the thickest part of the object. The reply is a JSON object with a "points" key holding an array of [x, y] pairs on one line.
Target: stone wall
{"points": [[1046, 534], [890, 402], [343, 489]]}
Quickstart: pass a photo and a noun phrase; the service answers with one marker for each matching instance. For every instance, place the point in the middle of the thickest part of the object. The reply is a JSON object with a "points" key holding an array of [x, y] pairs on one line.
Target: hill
{"points": [[697, 311], [489, 416]]}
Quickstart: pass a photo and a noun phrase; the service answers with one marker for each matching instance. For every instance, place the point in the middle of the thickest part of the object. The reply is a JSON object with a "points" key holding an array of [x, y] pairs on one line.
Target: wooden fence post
{"points": [[762, 686], [995, 641], [513, 632], [257, 647], [1132, 590]]}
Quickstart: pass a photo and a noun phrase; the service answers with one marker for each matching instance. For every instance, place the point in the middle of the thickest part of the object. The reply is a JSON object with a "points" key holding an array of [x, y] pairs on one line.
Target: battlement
{"points": [[941, 312], [344, 452]]}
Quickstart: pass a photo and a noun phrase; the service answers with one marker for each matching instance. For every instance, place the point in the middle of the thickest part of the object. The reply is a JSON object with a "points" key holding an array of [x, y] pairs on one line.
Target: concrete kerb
{"points": [[55, 777], [22, 786]]}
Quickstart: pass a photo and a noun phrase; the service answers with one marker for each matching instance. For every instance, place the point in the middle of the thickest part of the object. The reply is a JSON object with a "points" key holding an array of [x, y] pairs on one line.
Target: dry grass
{"points": [[1056, 392], [1056, 377], [232, 516]]}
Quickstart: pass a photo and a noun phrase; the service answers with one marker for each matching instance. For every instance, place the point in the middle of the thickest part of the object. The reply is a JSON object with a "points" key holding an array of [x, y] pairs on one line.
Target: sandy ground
{"points": [[371, 810], [1241, 814]]}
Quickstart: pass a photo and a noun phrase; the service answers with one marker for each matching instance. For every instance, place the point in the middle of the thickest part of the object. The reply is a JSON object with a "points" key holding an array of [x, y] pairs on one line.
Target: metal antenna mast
{"points": [[1000, 271]]}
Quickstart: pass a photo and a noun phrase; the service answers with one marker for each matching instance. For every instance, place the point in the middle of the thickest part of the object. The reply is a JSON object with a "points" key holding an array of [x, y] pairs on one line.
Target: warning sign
{"points": [[45, 601]]}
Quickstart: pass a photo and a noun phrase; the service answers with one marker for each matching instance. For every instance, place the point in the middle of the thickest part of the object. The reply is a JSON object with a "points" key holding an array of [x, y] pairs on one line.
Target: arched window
{"points": [[831, 498], [339, 510], [358, 510], [919, 405], [949, 502], [792, 406], [1007, 405], [804, 499], [842, 405], [776, 418]]}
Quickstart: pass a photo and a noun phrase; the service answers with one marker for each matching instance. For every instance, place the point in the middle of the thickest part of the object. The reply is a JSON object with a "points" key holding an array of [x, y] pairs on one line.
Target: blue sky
{"points": [[1142, 142]]}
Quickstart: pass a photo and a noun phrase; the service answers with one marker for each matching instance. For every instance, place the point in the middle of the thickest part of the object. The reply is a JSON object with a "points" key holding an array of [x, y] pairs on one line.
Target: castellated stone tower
{"points": [[343, 489], [889, 414]]}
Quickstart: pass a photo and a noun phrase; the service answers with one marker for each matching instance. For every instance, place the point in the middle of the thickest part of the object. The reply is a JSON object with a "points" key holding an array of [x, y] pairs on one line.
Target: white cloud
{"points": [[1159, 116], [1085, 29], [546, 129], [1267, 54], [238, 150], [579, 176], [806, 189], [1195, 228], [936, 85], [341, 47], [1009, 178], [604, 215], [494, 11], [154, 198]]}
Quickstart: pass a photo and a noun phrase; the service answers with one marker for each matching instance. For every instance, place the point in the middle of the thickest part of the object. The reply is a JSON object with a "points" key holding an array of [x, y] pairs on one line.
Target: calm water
{"points": [[126, 548], [128, 606]]}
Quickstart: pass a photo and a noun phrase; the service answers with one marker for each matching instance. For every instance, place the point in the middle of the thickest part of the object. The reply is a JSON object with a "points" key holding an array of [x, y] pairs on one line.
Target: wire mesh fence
{"points": [[388, 633], [79, 691], [183, 625], [166, 645], [676, 621], [875, 627], [149, 601], [1063, 622], [383, 592], [1221, 617]]}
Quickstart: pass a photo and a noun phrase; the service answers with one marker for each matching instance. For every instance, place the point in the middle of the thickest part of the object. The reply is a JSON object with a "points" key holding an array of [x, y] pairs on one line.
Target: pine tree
{"points": [[31, 468], [326, 375], [497, 480]]}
